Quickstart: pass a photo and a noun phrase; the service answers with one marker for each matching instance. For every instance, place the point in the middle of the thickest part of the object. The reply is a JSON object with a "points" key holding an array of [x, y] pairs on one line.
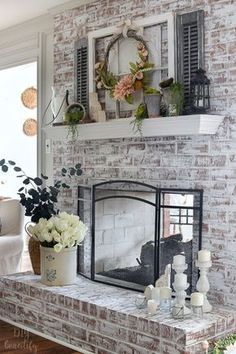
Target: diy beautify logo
{"points": [[24, 343]]}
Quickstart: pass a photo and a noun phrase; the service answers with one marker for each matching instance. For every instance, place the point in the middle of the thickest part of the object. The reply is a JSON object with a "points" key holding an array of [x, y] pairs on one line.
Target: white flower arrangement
{"points": [[226, 345], [231, 349], [61, 231]]}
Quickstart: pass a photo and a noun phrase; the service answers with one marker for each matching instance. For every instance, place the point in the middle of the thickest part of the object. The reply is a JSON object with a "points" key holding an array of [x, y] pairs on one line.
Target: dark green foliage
{"points": [[39, 202]]}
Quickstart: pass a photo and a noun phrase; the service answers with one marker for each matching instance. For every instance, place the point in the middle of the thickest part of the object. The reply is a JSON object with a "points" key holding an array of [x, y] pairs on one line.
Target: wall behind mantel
{"points": [[207, 162]]}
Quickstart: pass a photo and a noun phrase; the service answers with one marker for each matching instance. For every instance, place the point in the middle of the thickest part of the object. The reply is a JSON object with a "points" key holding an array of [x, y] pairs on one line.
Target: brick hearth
{"points": [[102, 319]]}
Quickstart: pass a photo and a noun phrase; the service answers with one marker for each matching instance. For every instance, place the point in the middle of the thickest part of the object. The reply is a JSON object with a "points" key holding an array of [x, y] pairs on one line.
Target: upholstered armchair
{"points": [[11, 235]]}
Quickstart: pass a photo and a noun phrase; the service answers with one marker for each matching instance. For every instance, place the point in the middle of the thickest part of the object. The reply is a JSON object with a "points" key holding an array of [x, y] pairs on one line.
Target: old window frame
{"points": [[169, 18]]}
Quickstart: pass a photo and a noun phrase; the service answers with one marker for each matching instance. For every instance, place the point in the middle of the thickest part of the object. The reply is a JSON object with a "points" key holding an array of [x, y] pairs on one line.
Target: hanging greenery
{"points": [[140, 114], [73, 116]]}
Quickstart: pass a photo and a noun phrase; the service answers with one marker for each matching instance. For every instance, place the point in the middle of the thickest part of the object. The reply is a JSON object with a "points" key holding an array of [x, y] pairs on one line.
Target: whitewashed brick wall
{"points": [[207, 162]]}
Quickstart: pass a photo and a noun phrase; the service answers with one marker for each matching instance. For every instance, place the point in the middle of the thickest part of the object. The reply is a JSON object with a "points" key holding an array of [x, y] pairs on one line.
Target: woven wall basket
{"points": [[30, 127], [29, 97]]}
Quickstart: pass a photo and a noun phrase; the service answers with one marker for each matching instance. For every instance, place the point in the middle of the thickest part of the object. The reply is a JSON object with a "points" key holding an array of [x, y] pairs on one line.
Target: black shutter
{"points": [[190, 48], [81, 72]]}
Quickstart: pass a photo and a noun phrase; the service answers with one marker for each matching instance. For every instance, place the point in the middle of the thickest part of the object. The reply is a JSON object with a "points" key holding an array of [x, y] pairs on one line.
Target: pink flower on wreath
{"points": [[123, 88], [139, 75]]}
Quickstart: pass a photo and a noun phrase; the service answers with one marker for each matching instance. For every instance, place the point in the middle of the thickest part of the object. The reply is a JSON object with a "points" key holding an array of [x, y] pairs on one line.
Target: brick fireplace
{"points": [[135, 230], [204, 161]]}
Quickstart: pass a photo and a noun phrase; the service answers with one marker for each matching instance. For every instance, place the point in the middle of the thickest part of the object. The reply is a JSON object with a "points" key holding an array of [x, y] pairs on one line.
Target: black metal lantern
{"points": [[199, 90]]}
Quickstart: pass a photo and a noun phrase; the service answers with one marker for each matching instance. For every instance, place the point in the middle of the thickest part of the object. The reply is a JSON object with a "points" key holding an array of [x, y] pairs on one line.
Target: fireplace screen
{"points": [[136, 229]]}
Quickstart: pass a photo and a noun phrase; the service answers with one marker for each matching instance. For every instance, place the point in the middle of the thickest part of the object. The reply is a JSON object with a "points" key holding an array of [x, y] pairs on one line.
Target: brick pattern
{"points": [[103, 319], [206, 162]]}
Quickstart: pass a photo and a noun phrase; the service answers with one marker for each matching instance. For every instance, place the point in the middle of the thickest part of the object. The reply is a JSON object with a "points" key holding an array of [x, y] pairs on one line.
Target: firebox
{"points": [[135, 230]]}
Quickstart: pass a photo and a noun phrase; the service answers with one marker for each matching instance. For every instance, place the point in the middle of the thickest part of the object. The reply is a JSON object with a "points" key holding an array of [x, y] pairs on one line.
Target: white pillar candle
{"points": [[179, 259], [148, 292], [165, 293], [152, 307], [180, 279], [197, 299], [204, 256], [156, 294]]}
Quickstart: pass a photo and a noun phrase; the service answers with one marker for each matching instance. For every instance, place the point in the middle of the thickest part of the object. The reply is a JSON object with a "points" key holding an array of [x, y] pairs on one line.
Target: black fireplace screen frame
{"points": [[159, 206]]}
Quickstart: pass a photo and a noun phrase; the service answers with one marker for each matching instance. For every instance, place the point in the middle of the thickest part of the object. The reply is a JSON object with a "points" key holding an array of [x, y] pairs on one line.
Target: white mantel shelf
{"points": [[164, 126]]}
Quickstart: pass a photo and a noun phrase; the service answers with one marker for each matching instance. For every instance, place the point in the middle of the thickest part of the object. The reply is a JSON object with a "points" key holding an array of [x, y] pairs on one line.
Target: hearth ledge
{"points": [[98, 318], [164, 126]]}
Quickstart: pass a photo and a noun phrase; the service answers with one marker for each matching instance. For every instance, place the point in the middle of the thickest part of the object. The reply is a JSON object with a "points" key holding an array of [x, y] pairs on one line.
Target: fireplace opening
{"points": [[135, 231]]}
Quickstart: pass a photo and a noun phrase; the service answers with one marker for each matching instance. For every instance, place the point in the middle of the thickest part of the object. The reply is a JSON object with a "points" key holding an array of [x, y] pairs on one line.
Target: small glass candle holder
{"points": [[197, 311], [178, 312], [165, 299], [165, 305], [141, 302]]}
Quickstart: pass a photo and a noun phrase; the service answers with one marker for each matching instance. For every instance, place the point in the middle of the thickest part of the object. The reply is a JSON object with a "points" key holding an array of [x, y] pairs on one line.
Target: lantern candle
{"points": [[204, 256], [179, 259]]}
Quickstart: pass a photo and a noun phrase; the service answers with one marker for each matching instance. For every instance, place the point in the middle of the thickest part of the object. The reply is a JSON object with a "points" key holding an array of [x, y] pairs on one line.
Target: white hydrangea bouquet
{"points": [[60, 231]]}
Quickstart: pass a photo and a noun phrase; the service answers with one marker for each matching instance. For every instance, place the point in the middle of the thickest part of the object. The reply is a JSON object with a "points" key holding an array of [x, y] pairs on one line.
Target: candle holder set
{"points": [[160, 298], [199, 301], [155, 297]]}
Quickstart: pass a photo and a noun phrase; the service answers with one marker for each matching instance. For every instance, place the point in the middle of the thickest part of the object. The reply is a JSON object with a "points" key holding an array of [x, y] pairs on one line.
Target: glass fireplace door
{"points": [[125, 234]]}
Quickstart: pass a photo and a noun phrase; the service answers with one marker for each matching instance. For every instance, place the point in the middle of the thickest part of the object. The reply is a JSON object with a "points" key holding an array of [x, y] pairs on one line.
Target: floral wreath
{"points": [[124, 88]]}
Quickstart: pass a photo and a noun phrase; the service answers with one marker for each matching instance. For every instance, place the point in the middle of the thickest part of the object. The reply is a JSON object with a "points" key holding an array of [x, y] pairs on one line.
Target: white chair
{"points": [[11, 235]]}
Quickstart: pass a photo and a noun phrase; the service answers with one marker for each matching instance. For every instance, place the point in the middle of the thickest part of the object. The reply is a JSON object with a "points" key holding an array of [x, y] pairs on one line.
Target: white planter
{"points": [[58, 268]]}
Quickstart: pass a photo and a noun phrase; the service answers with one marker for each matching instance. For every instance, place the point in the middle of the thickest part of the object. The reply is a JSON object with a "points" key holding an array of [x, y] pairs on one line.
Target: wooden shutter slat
{"points": [[81, 72], [190, 50]]}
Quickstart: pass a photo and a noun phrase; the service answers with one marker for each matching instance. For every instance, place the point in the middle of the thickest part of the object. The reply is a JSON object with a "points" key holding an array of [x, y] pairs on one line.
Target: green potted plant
{"points": [[152, 98], [74, 114], [173, 95]]}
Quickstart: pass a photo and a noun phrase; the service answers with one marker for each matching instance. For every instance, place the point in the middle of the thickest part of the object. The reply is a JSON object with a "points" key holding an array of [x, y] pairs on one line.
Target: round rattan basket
{"points": [[30, 127], [34, 252], [29, 97]]}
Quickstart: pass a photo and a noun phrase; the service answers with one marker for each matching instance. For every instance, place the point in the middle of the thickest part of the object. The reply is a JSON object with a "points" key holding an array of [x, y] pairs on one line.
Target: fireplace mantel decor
{"points": [[136, 230], [195, 124]]}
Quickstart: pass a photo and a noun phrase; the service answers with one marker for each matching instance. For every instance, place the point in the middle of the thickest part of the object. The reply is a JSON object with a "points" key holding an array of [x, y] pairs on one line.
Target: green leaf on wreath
{"points": [[133, 66], [129, 99]]}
